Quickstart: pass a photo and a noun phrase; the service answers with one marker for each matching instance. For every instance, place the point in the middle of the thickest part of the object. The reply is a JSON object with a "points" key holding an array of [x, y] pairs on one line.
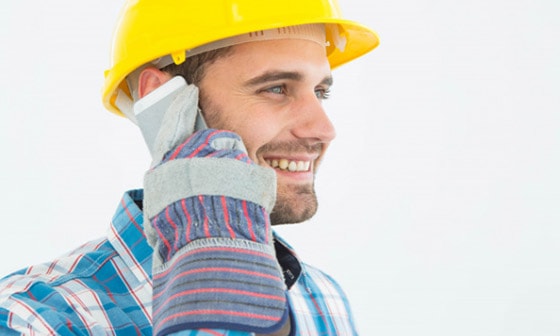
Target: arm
{"points": [[206, 207], [214, 264]]}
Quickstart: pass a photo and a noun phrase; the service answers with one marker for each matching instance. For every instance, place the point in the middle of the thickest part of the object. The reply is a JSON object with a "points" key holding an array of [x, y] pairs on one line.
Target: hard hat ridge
{"points": [[311, 32]]}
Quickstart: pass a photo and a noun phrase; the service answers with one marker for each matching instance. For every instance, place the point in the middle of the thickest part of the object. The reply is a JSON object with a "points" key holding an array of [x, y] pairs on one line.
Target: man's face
{"points": [[270, 93]]}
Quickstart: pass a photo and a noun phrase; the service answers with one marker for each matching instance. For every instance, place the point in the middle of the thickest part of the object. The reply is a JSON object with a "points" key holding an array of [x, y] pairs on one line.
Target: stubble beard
{"points": [[294, 204]]}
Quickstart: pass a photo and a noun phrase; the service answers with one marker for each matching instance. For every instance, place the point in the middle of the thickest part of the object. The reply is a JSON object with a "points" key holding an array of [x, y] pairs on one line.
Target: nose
{"points": [[312, 122]]}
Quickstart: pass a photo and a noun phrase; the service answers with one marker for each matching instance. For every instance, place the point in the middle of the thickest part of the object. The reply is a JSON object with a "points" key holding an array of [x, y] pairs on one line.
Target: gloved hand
{"points": [[206, 211]]}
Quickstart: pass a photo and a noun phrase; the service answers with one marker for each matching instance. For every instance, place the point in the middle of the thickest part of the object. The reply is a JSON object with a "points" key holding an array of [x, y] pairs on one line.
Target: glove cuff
{"points": [[225, 283], [204, 217]]}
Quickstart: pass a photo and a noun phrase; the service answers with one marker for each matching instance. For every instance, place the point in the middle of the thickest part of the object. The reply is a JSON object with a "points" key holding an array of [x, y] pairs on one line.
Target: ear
{"points": [[150, 79]]}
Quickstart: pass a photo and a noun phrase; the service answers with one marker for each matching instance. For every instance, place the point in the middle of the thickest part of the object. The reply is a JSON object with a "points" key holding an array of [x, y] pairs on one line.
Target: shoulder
{"points": [[321, 282], [80, 262], [44, 298]]}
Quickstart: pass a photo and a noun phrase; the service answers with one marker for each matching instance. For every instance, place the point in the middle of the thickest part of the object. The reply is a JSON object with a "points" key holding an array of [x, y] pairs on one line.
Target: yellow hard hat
{"points": [[150, 29]]}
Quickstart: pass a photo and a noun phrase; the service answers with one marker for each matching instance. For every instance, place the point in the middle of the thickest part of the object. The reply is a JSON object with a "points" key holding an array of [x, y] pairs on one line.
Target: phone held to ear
{"points": [[149, 110]]}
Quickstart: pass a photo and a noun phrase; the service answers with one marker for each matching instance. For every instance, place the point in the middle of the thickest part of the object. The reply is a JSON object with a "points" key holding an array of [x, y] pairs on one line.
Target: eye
{"points": [[322, 93], [278, 89]]}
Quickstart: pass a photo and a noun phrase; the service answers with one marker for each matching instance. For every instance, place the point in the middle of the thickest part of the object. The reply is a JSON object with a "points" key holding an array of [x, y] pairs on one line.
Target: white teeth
{"points": [[283, 164], [293, 166]]}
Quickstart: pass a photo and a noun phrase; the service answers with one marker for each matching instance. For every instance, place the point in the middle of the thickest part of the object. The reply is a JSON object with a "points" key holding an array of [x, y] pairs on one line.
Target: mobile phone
{"points": [[149, 110]]}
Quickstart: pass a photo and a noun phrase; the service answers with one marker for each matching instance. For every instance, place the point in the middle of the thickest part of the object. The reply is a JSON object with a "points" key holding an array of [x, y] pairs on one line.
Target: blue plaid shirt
{"points": [[105, 288]]}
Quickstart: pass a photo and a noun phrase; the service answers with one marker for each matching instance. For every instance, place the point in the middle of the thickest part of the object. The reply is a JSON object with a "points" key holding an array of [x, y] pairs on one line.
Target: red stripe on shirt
{"points": [[132, 220], [36, 315]]}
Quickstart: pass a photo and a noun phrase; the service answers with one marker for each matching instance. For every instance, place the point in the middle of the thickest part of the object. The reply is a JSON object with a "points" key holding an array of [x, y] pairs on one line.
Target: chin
{"points": [[295, 205]]}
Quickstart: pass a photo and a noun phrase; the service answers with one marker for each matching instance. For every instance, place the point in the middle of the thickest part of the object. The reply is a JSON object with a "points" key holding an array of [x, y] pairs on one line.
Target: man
{"points": [[194, 252]]}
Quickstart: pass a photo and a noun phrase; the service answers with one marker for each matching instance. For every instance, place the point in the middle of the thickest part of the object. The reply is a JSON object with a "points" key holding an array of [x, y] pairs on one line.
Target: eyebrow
{"points": [[272, 76]]}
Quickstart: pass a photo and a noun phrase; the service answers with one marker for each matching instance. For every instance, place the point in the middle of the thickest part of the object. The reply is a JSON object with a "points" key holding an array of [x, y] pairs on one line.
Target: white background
{"points": [[439, 200]]}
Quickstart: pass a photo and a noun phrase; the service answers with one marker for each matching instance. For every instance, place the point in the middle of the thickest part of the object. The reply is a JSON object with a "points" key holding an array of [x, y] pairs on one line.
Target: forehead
{"points": [[303, 56]]}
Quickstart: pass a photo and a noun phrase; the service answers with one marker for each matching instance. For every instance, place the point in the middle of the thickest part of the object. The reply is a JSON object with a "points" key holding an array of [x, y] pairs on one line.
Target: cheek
{"points": [[256, 134], [256, 123], [261, 127]]}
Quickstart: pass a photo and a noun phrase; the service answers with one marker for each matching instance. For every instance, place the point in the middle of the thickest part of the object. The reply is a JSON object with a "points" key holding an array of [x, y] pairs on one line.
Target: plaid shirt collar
{"points": [[127, 236]]}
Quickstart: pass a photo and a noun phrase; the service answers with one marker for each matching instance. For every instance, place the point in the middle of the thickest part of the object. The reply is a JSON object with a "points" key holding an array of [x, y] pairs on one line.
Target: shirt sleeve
{"points": [[5, 329]]}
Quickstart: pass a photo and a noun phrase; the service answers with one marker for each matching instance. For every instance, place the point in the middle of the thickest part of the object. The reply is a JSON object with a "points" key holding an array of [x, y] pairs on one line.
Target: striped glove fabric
{"points": [[207, 211]]}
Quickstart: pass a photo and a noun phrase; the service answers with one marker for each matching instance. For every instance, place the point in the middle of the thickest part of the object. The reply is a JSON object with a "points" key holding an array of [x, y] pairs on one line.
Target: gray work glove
{"points": [[206, 211]]}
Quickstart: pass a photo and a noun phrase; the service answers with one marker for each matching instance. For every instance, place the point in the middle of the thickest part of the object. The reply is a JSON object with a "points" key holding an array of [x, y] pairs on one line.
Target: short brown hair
{"points": [[193, 67]]}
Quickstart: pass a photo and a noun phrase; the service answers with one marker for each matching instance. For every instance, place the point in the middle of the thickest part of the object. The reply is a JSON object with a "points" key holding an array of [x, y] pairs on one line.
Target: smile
{"points": [[287, 165]]}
